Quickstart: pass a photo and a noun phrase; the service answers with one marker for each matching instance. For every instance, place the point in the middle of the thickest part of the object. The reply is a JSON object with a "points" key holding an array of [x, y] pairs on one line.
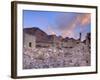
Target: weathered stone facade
{"points": [[29, 41], [70, 43]]}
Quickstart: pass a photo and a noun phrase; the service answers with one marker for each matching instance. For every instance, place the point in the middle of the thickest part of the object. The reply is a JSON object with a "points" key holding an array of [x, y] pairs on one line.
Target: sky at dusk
{"points": [[65, 24]]}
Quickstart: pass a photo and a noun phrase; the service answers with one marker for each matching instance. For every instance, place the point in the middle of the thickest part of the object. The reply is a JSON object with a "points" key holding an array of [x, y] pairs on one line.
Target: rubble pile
{"points": [[54, 57]]}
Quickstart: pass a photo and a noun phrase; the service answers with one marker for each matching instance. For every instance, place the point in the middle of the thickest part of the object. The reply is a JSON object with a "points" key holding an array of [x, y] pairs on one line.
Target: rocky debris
{"points": [[54, 57]]}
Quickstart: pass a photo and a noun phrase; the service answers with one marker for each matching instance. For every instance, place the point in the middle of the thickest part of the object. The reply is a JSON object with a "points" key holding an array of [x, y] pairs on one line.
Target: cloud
{"points": [[84, 19], [78, 20]]}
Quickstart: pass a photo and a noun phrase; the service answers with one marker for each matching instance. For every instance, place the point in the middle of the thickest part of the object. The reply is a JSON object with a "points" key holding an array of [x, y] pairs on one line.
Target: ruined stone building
{"points": [[35, 37], [87, 40], [29, 41], [40, 38], [70, 42]]}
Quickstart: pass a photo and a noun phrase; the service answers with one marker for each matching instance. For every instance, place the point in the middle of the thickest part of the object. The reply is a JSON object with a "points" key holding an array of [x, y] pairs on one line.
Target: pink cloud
{"points": [[83, 19], [79, 20]]}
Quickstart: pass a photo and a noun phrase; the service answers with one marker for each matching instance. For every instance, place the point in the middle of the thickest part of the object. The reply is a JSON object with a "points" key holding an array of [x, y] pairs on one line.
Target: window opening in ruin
{"points": [[30, 44]]}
